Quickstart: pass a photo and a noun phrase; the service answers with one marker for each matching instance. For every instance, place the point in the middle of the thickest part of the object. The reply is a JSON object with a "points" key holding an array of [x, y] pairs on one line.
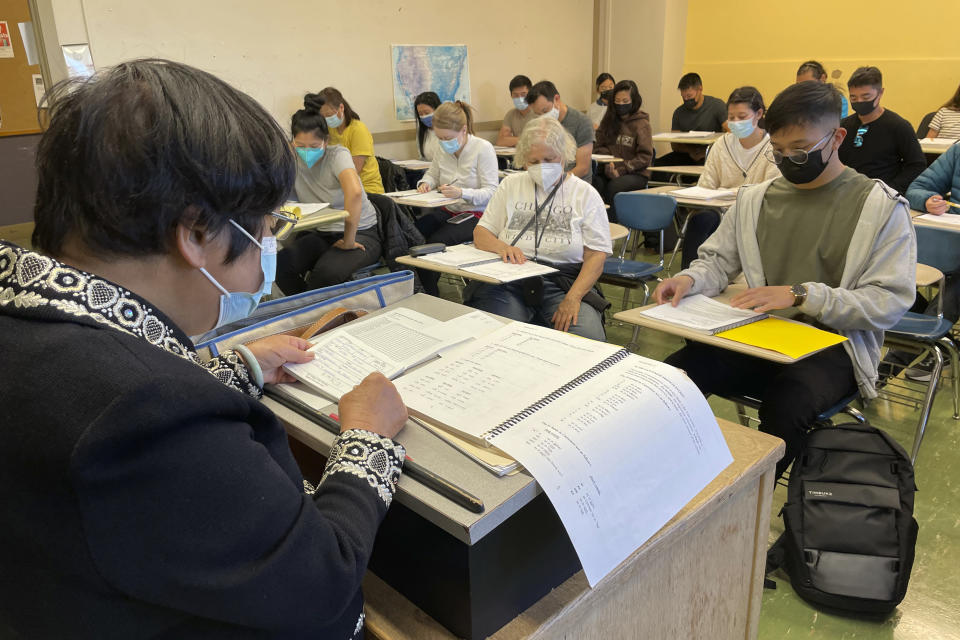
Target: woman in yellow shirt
{"points": [[347, 131]]}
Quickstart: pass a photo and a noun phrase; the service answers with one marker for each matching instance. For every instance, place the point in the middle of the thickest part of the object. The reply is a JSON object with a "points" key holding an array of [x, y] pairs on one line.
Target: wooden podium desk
{"points": [[441, 571]]}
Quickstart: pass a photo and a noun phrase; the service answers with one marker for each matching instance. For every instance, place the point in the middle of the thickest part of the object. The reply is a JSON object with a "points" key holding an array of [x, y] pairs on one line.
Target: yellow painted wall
{"points": [[762, 45]]}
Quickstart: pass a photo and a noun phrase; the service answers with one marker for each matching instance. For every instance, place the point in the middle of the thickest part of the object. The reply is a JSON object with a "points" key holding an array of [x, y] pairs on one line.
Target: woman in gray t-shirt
{"points": [[329, 254]]}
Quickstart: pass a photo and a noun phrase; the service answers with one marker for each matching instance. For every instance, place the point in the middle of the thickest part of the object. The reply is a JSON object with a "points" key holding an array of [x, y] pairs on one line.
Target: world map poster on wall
{"points": [[439, 68]]}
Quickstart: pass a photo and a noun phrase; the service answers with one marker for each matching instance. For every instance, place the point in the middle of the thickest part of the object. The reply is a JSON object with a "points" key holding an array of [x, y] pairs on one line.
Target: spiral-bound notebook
{"points": [[618, 442], [506, 374]]}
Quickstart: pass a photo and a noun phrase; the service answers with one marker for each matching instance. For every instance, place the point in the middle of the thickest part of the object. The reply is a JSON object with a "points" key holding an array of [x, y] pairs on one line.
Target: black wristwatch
{"points": [[799, 294]]}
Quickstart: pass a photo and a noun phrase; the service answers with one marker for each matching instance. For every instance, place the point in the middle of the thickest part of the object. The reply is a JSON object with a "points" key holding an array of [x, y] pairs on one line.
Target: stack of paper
{"points": [[412, 164], [685, 134], [468, 258], [703, 314], [699, 193], [945, 218]]}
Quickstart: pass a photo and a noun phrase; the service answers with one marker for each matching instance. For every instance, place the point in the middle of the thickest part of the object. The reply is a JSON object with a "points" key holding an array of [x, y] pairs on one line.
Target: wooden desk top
{"points": [[668, 136], [717, 204], [617, 231], [634, 316], [684, 170], [418, 263], [390, 615], [313, 221]]}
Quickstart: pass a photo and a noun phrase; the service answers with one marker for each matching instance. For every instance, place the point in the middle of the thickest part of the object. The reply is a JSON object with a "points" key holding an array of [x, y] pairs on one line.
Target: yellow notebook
{"points": [[793, 339]]}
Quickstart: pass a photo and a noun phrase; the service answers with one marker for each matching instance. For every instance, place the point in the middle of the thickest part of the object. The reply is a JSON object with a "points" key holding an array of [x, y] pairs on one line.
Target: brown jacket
{"points": [[633, 142]]}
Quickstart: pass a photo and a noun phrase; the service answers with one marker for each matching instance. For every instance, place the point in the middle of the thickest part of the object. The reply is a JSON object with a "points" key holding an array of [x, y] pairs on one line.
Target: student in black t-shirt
{"points": [[879, 143], [698, 112]]}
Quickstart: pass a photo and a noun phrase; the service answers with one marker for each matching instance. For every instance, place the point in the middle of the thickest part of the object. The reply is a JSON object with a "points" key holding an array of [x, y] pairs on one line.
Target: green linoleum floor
{"points": [[931, 610]]}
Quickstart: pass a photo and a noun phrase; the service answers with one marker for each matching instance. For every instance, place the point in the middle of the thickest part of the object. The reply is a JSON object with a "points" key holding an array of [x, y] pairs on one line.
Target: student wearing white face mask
{"points": [[425, 104], [736, 159], [348, 131], [328, 254], [545, 100], [465, 167], [550, 215], [521, 113]]}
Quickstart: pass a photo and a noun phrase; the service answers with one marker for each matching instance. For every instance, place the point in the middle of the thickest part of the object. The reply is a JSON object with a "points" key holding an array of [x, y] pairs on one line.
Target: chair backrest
{"points": [[938, 247], [924, 127], [645, 211], [392, 176]]}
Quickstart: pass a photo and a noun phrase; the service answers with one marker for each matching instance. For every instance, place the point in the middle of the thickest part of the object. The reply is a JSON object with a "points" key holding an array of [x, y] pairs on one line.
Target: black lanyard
{"points": [[537, 209]]}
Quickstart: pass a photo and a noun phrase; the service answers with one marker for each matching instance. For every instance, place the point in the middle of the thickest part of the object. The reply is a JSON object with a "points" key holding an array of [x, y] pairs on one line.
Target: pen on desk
{"points": [[429, 479]]}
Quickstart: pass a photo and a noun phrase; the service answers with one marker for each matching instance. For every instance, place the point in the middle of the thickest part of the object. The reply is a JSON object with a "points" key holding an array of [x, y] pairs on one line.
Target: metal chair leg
{"points": [[680, 236], [632, 345], [954, 373], [927, 401], [854, 413]]}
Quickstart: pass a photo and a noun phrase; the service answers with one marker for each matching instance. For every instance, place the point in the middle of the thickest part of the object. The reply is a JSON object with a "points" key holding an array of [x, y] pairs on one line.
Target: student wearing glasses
{"points": [[879, 143], [822, 244]]}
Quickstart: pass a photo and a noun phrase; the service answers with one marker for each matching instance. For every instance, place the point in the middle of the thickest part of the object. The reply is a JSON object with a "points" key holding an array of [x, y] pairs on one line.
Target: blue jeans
{"points": [[507, 300]]}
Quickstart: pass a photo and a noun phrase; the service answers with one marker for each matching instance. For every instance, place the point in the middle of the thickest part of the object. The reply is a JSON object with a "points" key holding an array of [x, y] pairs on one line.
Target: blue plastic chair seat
{"points": [[630, 269], [919, 326]]}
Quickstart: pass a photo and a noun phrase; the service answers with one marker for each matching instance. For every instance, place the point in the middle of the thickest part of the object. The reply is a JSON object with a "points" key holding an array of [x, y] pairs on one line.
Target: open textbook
{"points": [[618, 442], [390, 343], [703, 314], [468, 258]]}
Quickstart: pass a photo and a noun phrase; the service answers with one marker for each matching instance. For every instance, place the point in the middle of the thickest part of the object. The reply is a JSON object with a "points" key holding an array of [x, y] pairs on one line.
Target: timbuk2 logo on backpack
{"points": [[850, 532]]}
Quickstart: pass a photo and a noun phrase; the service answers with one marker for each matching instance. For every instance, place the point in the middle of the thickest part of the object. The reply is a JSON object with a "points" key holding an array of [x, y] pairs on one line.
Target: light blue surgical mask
{"points": [[310, 155], [450, 146], [236, 305], [334, 121], [520, 103], [741, 128], [553, 113], [427, 120]]}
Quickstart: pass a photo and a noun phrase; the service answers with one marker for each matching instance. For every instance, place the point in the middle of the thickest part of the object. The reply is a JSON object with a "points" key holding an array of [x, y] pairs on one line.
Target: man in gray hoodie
{"points": [[822, 244]]}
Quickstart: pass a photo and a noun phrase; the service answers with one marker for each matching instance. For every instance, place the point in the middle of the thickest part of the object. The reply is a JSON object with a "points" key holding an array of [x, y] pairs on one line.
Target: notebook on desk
{"points": [[467, 257], [702, 314], [700, 193]]}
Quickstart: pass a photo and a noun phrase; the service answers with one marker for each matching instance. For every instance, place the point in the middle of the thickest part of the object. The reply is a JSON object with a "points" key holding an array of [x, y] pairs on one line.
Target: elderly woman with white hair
{"points": [[549, 215]]}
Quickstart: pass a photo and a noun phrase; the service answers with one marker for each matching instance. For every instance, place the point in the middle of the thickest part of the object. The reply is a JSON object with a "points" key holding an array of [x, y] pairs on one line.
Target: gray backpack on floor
{"points": [[850, 532]]}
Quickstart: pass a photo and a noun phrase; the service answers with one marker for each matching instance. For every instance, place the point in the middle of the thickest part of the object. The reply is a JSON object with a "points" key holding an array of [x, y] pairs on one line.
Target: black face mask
{"points": [[806, 172], [690, 103], [863, 108], [607, 95], [623, 109]]}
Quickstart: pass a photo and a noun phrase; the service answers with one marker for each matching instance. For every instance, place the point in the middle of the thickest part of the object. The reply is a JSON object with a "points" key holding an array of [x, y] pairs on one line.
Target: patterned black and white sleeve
{"points": [[367, 456], [230, 369]]}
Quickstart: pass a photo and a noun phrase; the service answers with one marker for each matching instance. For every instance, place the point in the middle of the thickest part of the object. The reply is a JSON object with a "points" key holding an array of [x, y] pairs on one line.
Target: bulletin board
{"points": [[18, 103]]}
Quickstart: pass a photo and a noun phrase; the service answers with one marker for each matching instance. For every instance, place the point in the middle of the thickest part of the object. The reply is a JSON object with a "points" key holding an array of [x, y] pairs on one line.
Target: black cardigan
{"points": [[145, 494]]}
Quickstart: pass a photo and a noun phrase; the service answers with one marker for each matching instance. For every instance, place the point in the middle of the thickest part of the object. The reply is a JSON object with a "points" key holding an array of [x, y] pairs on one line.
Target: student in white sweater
{"points": [[736, 159], [465, 167]]}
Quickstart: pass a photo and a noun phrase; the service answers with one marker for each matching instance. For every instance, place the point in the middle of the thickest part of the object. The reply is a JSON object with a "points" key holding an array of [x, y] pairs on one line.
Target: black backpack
{"points": [[850, 532]]}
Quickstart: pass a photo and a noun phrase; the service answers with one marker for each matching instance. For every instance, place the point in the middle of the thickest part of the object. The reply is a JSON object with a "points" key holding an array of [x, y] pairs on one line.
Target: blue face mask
{"points": [[520, 103], [741, 128], [450, 146], [334, 121], [427, 120], [310, 155], [237, 305]]}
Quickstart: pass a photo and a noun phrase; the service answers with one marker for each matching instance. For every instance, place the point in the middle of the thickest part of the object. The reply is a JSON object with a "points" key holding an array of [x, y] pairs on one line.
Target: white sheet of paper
{"points": [[700, 193], [412, 164], [402, 194], [508, 272], [498, 375], [685, 134], [430, 197], [700, 313], [404, 335], [620, 456], [460, 255], [946, 218], [306, 208]]}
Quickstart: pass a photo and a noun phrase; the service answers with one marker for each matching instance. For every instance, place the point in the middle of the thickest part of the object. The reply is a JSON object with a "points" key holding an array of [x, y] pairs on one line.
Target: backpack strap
{"points": [[776, 555]]}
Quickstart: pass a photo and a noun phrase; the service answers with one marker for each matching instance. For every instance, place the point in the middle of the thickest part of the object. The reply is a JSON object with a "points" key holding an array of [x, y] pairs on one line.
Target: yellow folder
{"points": [[793, 339]]}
